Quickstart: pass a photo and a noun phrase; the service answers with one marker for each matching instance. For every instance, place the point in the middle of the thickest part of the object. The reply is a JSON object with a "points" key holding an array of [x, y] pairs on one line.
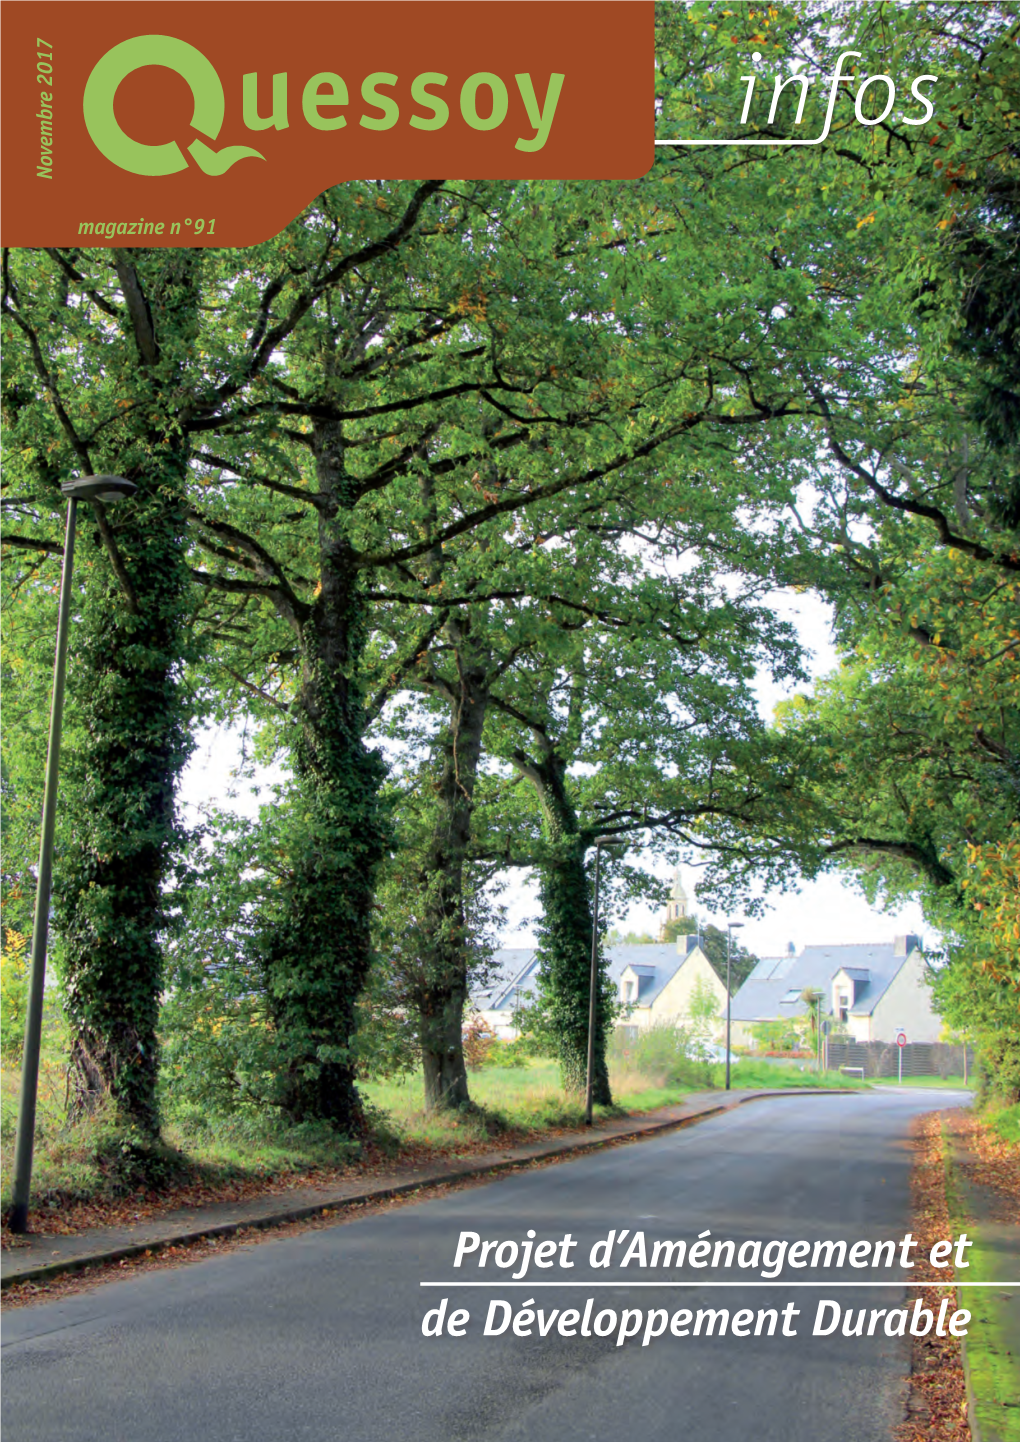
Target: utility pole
{"points": [[593, 988], [731, 927]]}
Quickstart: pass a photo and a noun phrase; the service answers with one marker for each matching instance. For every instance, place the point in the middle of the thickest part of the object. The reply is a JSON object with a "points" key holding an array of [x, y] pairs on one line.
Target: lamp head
{"points": [[98, 488]]}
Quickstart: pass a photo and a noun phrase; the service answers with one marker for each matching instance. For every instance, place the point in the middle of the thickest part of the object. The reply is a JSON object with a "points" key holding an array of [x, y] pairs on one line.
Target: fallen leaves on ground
{"points": [[75, 1218], [937, 1397], [993, 1162], [22, 1294]]}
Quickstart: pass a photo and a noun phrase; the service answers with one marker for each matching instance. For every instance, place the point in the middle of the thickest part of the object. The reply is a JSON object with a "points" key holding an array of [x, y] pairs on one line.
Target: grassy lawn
{"points": [[751, 1073], [523, 1098], [77, 1164], [992, 1366], [530, 1097], [74, 1165]]}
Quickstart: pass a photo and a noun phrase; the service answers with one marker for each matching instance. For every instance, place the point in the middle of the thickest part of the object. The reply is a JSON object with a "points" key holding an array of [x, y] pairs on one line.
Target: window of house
{"points": [[844, 1006]]}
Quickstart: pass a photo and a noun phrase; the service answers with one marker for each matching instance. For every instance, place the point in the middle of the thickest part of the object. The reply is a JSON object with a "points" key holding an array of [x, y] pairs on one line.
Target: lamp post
{"points": [[87, 488], [731, 927], [593, 985]]}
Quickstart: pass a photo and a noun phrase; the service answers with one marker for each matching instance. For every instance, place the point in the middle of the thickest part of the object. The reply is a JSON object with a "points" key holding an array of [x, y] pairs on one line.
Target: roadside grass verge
{"points": [[529, 1098], [94, 1165], [522, 1099], [949, 1083], [750, 1073], [991, 1366], [93, 1173], [90, 1169]]}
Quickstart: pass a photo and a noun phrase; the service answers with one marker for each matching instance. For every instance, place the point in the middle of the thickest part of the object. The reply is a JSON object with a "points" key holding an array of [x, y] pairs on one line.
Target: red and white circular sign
{"points": [[901, 1039]]}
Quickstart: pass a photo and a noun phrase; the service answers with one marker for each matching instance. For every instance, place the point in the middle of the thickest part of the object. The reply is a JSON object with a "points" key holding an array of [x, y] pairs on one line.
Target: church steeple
{"points": [[676, 907]]}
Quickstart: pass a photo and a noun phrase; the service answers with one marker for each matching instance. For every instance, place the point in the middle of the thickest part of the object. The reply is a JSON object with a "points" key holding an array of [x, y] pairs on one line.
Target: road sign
{"points": [[901, 1039]]}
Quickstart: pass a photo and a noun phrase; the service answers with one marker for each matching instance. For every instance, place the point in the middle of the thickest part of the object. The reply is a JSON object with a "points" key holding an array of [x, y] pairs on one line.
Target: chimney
{"points": [[904, 945]]}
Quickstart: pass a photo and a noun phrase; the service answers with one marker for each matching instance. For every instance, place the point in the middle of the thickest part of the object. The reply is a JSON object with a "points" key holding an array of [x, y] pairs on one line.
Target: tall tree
{"points": [[99, 378], [439, 394], [613, 693], [902, 470]]}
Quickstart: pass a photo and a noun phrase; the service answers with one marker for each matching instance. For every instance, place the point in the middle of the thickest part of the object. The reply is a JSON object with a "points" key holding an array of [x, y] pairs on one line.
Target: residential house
{"points": [[656, 982], [661, 983], [510, 983], [870, 991]]}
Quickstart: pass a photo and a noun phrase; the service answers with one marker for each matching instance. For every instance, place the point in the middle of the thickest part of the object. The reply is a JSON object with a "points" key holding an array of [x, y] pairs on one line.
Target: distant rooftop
{"points": [[777, 982]]}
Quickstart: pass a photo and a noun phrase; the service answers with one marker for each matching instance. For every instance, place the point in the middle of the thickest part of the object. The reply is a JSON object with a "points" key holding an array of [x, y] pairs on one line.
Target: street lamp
{"points": [[731, 927], [593, 985], [86, 488]]}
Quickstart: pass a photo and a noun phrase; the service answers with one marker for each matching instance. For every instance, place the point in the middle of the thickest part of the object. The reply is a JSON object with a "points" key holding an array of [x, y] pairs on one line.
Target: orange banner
{"points": [[215, 123]]}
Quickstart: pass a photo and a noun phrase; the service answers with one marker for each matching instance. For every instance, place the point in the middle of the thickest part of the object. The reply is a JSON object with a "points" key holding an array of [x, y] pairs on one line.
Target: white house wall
{"points": [[906, 1004], [860, 1028], [674, 1000], [503, 1023]]}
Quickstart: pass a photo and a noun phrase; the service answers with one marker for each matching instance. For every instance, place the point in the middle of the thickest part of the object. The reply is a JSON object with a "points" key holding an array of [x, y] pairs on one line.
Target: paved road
{"points": [[319, 1336]]}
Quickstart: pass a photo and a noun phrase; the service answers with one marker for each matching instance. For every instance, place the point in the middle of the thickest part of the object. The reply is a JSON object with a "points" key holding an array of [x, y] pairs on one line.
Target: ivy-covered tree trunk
{"points": [[316, 953], [129, 736], [444, 985], [565, 937]]}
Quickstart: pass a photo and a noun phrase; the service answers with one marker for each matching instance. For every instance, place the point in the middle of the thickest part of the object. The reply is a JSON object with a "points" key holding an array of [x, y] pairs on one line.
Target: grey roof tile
{"points": [[515, 971], [762, 994]]}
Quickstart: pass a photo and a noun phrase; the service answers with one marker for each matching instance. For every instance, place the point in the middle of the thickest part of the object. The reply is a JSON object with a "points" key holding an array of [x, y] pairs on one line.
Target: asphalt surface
{"points": [[319, 1336]]}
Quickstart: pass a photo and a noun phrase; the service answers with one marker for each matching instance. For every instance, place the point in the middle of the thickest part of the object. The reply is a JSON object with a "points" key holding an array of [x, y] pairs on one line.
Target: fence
{"points": [[920, 1058]]}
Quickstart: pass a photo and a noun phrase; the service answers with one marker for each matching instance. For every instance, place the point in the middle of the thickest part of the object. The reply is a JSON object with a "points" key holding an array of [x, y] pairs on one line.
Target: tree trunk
{"points": [[443, 989], [121, 794], [316, 955], [566, 938], [128, 713], [442, 1053]]}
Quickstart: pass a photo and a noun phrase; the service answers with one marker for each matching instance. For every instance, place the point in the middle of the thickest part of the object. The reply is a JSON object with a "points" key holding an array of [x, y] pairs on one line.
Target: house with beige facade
{"points": [[657, 982], [667, 983], [870, 991]]}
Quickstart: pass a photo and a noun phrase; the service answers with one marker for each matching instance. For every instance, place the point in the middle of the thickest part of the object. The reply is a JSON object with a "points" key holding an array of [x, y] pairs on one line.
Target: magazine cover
{"points": [[511, 850]]}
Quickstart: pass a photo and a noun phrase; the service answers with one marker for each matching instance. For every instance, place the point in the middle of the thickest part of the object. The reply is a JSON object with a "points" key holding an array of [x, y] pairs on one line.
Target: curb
{"points": [[48, 1270]]}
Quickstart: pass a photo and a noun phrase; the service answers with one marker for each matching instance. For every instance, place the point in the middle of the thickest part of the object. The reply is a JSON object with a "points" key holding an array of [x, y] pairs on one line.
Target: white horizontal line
{"points": [[625, 1282], [742, 142]]}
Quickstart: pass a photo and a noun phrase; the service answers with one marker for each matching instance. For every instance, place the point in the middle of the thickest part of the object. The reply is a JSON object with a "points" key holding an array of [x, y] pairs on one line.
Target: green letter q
{"points": [[132, 155]]}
